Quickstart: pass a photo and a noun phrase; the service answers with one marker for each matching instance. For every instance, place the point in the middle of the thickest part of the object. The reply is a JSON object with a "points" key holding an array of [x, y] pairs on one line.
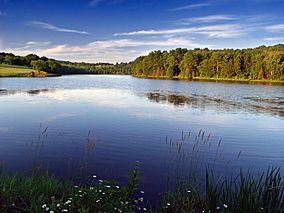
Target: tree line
{"points": [[63, 67], [261, 63]]}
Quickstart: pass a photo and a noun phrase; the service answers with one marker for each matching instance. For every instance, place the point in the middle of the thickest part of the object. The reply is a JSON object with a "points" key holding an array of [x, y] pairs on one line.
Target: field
{"points": [[19, 71]]}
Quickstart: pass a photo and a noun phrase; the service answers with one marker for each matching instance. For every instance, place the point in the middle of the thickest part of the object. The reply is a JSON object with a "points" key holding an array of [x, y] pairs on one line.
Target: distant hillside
{"points": [[52, 66], [261, 63]]}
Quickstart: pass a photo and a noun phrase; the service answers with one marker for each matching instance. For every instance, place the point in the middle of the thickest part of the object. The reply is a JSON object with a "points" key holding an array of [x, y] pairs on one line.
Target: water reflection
{"points": [[131, 117], [274, 106], [4, 92]]}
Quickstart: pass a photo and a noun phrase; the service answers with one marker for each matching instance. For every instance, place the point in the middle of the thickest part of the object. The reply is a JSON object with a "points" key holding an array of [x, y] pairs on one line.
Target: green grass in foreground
{"points": [[19, 71], [242, 194]]}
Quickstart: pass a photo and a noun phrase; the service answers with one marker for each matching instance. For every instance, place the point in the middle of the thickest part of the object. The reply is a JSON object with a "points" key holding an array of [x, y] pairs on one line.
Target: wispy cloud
{"points": [[95, 2], [275, 28], [274, 39], [48, 26], [38, 43], [32, 45], [190, 6], [180, 41], [212, 31], [115, 50], [208, 19]]}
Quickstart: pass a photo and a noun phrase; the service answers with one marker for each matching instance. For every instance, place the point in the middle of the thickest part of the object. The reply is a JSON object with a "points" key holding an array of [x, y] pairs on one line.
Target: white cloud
{"points": [[33, 45], [212, 31], [211, 18], [38, 43], [44, 25], [275, 28], [276, 39], [191, 6], [115, 50]]}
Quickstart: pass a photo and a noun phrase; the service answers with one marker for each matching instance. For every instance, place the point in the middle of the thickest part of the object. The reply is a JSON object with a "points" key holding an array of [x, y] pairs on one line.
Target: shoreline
{"points": [[229, 80]]}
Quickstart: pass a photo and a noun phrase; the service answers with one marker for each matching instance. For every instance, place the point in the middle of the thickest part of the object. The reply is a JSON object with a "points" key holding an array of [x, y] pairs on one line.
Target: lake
{"points": [[78, 126]]}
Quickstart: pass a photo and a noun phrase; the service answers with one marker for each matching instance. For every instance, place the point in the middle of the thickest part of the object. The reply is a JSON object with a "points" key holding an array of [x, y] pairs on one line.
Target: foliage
{"points": [[63, 67], [44, 193], [261, 63], [39, 65]]}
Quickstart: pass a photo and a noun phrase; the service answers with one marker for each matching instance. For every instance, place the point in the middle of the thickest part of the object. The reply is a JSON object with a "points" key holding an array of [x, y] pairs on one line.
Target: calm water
{"points": [[77, 126]]}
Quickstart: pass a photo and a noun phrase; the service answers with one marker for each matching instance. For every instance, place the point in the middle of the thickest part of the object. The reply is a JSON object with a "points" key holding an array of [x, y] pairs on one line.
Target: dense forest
{"points": [[261, 63], [63, 67]]}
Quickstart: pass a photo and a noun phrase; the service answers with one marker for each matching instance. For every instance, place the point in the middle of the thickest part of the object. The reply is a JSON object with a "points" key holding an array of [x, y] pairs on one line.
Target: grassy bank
{"points": [[44, 193], [213, 79], [19, 71]]}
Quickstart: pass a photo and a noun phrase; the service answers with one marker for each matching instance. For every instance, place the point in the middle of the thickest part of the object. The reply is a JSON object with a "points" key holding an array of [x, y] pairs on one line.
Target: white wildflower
{"points": [[67, 202]]}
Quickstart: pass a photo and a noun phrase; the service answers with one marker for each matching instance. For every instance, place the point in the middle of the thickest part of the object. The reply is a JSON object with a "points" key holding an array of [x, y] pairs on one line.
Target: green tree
{"points": [[29, 58], [39, 65], [53, 66]]}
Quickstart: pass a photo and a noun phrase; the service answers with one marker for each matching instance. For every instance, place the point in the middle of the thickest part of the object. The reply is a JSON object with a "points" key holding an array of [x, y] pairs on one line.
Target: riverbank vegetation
{"points": [[44, 193], [261, 63], [56, 67]]}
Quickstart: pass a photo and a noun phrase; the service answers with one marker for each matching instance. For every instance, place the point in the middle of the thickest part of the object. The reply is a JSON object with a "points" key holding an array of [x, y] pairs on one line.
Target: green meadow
{"points": [[19, 71]]}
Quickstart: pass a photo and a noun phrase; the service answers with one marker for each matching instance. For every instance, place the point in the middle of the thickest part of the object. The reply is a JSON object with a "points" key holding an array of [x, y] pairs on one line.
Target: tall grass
{"points": [[44, 193]]}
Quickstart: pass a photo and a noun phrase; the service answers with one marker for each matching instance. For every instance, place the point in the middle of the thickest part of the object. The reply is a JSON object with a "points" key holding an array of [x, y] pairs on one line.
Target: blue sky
{"points": [[121, 30]]}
